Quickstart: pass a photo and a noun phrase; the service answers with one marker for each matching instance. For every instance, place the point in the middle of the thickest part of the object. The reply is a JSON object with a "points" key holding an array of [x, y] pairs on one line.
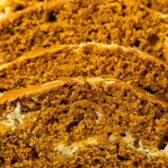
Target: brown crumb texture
{"points": [[17, 5], [74, 21], [10, 6], [53, 64], [82, 123], [87, 60], [159, 5]]}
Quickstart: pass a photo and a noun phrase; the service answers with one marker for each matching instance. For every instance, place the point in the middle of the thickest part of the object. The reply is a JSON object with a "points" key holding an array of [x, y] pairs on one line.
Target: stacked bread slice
{"points": [[87, 60], [76, 21], [83, 122], [84, 84]]}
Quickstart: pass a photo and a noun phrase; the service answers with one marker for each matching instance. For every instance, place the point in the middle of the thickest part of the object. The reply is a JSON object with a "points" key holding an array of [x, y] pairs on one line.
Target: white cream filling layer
{"points": [[15, 117], [69, 149], [130, 141]]}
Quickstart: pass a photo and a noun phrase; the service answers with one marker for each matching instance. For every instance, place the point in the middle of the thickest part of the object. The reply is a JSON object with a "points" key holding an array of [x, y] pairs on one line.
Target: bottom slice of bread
{"points": [[83, 123]]}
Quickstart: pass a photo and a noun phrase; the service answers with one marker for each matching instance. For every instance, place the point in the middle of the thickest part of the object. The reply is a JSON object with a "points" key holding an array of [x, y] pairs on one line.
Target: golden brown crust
{"points": [[94, 82], [41, 51]]}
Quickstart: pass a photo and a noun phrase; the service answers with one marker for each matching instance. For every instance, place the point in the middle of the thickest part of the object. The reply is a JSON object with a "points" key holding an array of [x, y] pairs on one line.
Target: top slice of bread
{"points": [[75, 21]]}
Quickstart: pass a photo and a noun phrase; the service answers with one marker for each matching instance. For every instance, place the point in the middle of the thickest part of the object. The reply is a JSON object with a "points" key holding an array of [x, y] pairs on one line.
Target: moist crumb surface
{"points": [[94, 122], [87, 60], [77, 21]]}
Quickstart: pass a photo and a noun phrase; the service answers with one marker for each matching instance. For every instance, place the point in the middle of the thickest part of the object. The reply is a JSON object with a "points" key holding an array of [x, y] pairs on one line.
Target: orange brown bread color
{"points": [[159, 5], [10, 6], [16, 5], [83, 123], [74, 21], [87, 60]]}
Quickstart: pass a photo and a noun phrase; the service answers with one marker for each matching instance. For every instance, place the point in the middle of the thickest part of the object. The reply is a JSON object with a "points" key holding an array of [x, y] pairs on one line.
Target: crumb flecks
{"points": [[1, 94], [98, 115], [15, 117], [113, 138], [91, 141], [166, 148], [129, 139], [69, 149], [35, 99], [1, 17], [1, 58], [110, 82]]}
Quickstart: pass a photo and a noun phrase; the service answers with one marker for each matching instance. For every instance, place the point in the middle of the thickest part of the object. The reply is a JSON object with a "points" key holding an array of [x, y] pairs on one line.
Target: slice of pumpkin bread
{"points": [[75, 21], [82, 122], [87, 60]]}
